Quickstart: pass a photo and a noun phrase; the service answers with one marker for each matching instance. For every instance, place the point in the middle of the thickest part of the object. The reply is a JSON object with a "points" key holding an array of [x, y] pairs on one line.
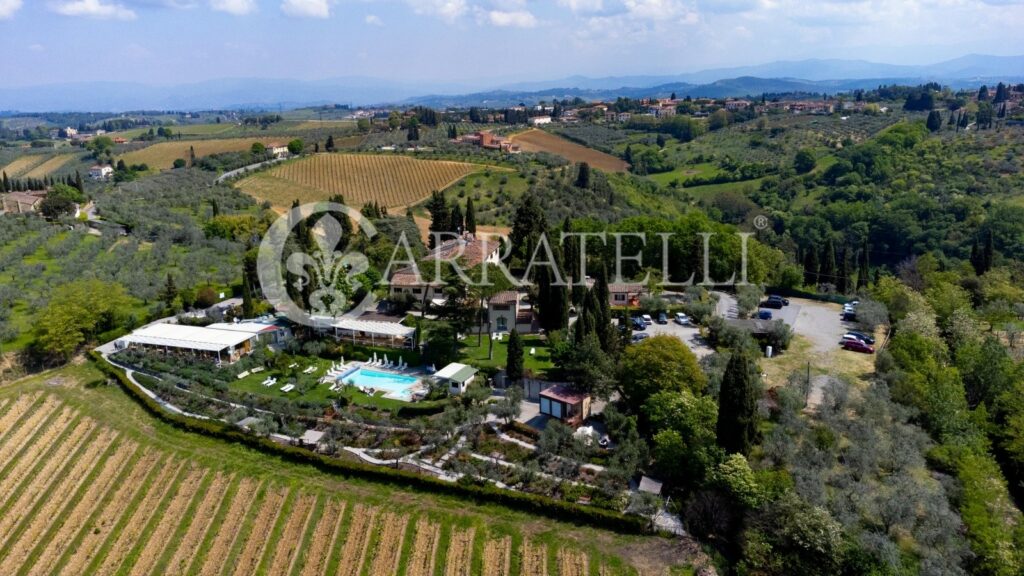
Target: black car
{"points": [[639, 324], [772, 303], [662, 318], [863, 337], [849, 316], [785, 301]]}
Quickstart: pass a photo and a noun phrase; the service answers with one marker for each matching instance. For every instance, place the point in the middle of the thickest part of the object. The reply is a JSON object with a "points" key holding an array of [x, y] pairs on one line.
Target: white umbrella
{"points": [[374, 357], [385, 359], [401, 362], [342, 360]]}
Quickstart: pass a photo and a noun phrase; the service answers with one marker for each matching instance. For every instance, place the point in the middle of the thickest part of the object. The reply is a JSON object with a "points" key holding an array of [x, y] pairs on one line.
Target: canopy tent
{"points": [[373, 332]]}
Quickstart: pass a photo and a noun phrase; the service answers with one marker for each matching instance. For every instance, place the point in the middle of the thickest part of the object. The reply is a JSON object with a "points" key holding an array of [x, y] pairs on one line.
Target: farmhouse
{"points": [[457, 376], [564, 404], [626, 294], [505, 310], [489, 141], [468, 250], [222, 345], [277, 150], [98, 172], [539, 120], [21, 202]]}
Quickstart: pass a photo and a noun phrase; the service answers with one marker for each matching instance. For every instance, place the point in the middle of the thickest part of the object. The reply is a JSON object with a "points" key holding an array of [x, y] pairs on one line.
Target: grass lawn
{"points": [[475, 355], [685, 171], [319, 393]]}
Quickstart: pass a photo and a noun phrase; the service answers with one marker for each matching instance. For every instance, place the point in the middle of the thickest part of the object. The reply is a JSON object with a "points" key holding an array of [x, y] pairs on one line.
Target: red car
{"points": [[858, 346]]}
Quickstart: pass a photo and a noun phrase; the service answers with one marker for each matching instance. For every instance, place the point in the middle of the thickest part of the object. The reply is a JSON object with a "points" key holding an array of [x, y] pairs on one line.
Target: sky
{"points": [[475, 43]]}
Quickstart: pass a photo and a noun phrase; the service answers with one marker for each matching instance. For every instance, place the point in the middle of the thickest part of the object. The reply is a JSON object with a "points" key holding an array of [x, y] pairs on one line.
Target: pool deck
{"points": [[354, 367]]}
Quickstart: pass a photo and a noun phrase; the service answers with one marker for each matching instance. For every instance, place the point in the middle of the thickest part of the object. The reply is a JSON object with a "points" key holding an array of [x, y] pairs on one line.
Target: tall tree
{"points": [[455, 220], [737, 404], [863, 267], [934, 122], [583, 175], [170, 293], [330, 143], [470, 216], [843, 280], [440, 216], [828, 263], [514, 363], [811, 267]]}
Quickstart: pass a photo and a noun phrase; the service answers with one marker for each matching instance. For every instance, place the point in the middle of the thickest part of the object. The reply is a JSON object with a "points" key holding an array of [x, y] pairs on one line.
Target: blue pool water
{"points": [[395, 385]]}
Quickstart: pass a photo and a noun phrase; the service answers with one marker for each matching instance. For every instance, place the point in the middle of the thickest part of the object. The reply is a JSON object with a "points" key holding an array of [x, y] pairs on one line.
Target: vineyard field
{"points": [[392, 181], [86, 488], [540, 141], [23, 164], [162, 156], [50, 166]]}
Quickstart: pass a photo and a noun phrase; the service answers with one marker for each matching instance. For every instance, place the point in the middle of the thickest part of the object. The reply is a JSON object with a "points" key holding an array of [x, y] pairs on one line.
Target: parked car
{"points": [[662, 318], [639, 337], [862, 337], [647, 319], [639, 324], [682, 319], [849, 316], [772, 303], [855, 345], [764, 314], [785, 301]]}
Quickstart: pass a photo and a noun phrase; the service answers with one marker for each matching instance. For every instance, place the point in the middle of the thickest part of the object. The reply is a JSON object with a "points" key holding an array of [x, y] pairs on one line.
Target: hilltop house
{"points": [[277, 150], [21, 202], [489, 141], [467, 250], [98, 172], [539, 120]]}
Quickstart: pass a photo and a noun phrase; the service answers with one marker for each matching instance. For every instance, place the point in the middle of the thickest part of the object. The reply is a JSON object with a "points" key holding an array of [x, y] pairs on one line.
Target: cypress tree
{"points": [[170, 292], [811, 268], [737, 404], [863, 269], [330, 143], [514, 363], [470, 216], [583, 175], [988, 254], [843, 281], [456, 222], [828, 263]]}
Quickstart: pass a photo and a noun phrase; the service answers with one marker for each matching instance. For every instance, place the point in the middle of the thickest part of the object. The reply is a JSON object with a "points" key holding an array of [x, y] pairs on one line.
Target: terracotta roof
{"points": [[467, 250], [506, 297], [563, 394], [628, 287]]}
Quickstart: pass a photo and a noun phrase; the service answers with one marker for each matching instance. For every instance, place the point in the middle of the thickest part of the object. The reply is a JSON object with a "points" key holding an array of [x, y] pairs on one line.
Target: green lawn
{"points": [[319, 393], [478, 355], [686, 171]]}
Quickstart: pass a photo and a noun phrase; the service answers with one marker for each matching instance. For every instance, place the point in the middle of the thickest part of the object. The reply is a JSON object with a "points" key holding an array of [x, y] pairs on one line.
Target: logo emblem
{"points": [[301, 270]]}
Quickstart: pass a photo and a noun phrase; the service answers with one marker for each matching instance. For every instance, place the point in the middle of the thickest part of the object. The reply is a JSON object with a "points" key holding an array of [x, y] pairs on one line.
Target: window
{"points": [[417, 290], [620, 297], [502, 324]]}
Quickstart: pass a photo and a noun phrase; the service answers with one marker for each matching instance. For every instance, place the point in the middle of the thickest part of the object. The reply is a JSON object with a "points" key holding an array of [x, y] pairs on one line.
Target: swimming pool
{"points": [[395, 385]]}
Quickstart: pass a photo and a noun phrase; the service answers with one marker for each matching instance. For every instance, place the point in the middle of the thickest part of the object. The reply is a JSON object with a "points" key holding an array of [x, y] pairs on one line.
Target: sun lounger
{"points": [[288, 388], [293, 365], [256, 370], [243, 374]]}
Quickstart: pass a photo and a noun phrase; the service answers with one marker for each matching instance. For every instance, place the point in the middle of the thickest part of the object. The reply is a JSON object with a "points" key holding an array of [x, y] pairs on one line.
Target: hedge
{"points": [[543, 506]]}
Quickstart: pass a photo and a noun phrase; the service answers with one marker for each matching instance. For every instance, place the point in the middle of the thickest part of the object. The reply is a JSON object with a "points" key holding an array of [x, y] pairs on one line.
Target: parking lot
{"points": [[690, 336]]}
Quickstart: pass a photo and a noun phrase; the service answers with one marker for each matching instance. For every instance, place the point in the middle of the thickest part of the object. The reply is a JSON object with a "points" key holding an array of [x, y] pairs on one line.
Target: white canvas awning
{"points": [[187, 337], [375, 327]]}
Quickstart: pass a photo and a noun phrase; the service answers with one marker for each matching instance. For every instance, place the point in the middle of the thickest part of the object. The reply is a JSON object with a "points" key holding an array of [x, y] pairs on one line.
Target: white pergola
{"points": [[367, 331]]}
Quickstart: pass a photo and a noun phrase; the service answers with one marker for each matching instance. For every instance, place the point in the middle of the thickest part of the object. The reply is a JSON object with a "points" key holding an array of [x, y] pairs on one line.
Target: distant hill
{"points": [[815, 75]]}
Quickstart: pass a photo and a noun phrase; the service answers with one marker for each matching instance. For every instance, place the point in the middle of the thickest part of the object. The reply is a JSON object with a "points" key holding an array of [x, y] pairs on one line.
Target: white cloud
{"points": [[237, 7], [374, 20], [447, 10], [8, 8], [656, 9], [94, 9], [582, 5], [307, 8], [37, 47], [512, 19]]}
